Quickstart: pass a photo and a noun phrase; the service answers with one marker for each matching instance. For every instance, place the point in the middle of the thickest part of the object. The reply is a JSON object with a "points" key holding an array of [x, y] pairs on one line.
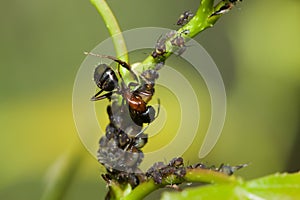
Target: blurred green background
{"points": [[256, 47]]}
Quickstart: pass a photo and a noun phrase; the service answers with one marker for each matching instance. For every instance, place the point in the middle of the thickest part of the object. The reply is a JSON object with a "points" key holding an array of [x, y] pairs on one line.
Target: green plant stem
{"points": [[208, 176], [192, 175], [142, 190], [201, 21], [114, 30], [116, 189]]}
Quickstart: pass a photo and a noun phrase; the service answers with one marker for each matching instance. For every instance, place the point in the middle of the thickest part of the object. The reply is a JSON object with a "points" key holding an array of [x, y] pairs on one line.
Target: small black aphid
{"points": [[184, 18]]}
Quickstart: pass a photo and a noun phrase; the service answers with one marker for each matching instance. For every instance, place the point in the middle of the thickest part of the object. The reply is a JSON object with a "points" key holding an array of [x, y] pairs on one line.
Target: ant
{"points": [[106, 79]]}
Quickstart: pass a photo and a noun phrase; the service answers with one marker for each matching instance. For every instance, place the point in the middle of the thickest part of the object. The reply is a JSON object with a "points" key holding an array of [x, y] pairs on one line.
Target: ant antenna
{"points": [[120, 62], [158, 108]]}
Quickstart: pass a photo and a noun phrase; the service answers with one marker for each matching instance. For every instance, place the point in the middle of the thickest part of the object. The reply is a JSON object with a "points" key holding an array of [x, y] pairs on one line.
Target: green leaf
{"points": [[277, 186], [211, 192]]}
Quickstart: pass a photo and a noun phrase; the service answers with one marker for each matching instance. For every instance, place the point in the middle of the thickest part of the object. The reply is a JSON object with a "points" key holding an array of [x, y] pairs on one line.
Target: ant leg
{"points": [[97, 94], [122, 63], [97, 98], [142, 131], [132, 84]]}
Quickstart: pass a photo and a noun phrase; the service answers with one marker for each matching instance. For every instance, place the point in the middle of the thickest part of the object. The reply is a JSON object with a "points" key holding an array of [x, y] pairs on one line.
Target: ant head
{"points": [[105, 78]]}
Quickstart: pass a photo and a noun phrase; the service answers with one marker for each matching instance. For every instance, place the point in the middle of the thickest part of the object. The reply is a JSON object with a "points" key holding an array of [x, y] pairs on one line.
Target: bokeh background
{"points": [[256, 47]]}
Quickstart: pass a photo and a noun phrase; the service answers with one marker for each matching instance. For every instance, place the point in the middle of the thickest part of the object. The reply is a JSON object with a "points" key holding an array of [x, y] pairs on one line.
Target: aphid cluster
{"points": [[176, 41], [173, 37], [225, 169], [159, 170], [120, 149], [184, 18]]}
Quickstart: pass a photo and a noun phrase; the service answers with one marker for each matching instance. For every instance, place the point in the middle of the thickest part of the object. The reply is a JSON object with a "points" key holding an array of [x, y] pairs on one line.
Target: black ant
{"points": [[137, 100]]}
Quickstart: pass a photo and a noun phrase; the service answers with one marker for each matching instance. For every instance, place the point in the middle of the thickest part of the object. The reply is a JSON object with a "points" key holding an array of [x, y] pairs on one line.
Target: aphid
{"points": [[160, 47], [171, 34], [149, 76], [132, 136], [198, 165], [123, 139], [179, 41], [184, 18], [159, 65], [133, 158], [110, 155], [111, 131], [229, 170], [159, 170], [176, 162], [180, 172], [155, 167]]}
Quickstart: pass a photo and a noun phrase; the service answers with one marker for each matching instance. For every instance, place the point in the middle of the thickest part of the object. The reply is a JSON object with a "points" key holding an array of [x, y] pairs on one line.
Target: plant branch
{"points": [[208, 176], [193, 175], [114, 30], [201, 21], [204, 18]]}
